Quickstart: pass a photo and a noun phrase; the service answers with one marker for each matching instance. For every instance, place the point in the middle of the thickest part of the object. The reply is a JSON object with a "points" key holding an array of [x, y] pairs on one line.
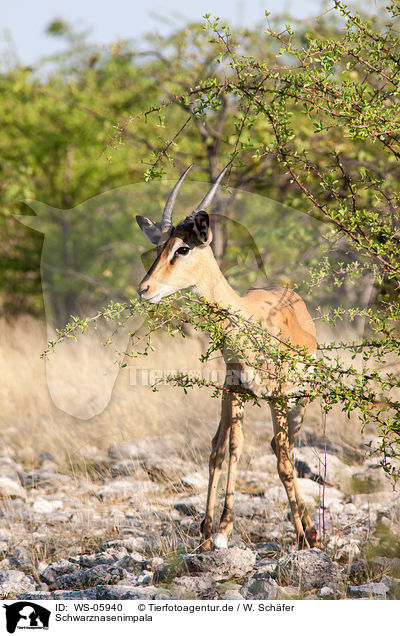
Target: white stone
{"points": [[119, 489], [13, 582], [336, 507], [325, 591], [369, 590], [47, 506], [329, 467], [219, 541], [11, 488], [195, 481]]}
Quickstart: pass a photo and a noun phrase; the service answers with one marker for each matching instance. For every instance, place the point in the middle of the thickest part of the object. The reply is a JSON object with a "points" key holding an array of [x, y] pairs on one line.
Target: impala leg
{"points": [[295, 420], [283, 448], [218, 448], [235, 450]]}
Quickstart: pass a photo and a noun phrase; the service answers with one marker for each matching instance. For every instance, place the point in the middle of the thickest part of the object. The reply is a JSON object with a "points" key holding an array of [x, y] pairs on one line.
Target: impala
{"points": [[185, 260]]}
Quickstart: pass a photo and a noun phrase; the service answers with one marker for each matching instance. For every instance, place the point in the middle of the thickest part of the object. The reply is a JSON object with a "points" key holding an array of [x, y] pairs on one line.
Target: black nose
{"points": [[142, 290]]}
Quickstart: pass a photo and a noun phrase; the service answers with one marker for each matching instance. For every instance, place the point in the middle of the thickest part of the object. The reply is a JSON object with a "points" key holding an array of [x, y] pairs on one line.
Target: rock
{"points": [[314, 464], [372, 502], [46, 456], [249, 505], [289, 592], [3, 546], [190, 506], [145, 577], [229, 591], [8, 564], [10, 488], [124, 592], [384, 520], [133, 544], [311, 492], [153, 563], [14, 582], [88, 577], [91, 453], [125, 450], [394, 586], [119, 489], [103, 593], [128, 468], [256, 482], [165, 469], [57, 569], [46, 506], [162, 572], [222, 564], [314, 438], [144, 448], [307, 569], [131, 563], [109, 557], [369, 590], [335, 507], [56, 595], [326, 592], [104, 569], [370, 480], [231, 595], [265, 464], [219, 541], [321, 495], [20, 557], [41, 478], [269, 549], [189, 587], [88, 569], [349, 509], [194, 481], [343, 547], [266, 565], [8, 468], [358, 571], [260, 586]]}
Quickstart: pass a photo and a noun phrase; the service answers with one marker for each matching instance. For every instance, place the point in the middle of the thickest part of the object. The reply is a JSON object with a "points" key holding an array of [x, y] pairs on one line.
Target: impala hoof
{"points": [[313, 539], [205, 545], [219, 541]]}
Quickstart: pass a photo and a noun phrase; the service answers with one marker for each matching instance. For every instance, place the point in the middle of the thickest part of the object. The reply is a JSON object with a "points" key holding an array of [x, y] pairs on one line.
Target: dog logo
{"points": [[26, 615]]}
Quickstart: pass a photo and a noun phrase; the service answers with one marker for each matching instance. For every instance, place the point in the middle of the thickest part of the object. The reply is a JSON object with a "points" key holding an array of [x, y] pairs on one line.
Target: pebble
{"points": [[139, 527]]}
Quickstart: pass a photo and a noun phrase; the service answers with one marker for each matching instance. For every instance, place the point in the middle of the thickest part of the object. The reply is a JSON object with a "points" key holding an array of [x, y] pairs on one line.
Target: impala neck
{"points": [[212, 284]]}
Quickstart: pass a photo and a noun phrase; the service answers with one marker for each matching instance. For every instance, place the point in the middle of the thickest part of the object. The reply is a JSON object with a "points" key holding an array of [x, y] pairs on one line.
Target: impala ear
{"points": [[152, 231], [201, 228]]}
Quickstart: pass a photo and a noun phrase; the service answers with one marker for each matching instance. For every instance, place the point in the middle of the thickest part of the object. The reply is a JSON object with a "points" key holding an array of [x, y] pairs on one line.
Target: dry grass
{"points": [[80, 376], [31, 423]]}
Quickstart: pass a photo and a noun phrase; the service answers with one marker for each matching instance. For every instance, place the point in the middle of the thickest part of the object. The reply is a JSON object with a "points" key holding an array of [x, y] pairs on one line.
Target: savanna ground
{"points": [[133, 479]]}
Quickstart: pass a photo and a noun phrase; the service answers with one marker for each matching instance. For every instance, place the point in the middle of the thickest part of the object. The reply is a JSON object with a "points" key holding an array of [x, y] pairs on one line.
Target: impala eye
{"points": [[182, 250]]}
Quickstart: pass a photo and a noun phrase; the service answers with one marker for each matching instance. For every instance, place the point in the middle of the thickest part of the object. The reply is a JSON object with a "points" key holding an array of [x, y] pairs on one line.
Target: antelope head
{"points": [[183, 252]]}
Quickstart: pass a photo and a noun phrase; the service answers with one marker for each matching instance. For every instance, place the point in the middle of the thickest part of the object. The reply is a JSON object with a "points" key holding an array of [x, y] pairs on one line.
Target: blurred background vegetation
{"points": [[66, 138]]}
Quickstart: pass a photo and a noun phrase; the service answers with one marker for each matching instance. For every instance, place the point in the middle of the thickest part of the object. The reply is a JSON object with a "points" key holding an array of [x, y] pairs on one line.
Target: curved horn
{"points": [[206, 202], [166, 219]]}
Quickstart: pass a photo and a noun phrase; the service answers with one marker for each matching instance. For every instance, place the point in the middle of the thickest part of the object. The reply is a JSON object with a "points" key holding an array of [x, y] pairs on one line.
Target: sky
{"points": [[23, 22]]}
